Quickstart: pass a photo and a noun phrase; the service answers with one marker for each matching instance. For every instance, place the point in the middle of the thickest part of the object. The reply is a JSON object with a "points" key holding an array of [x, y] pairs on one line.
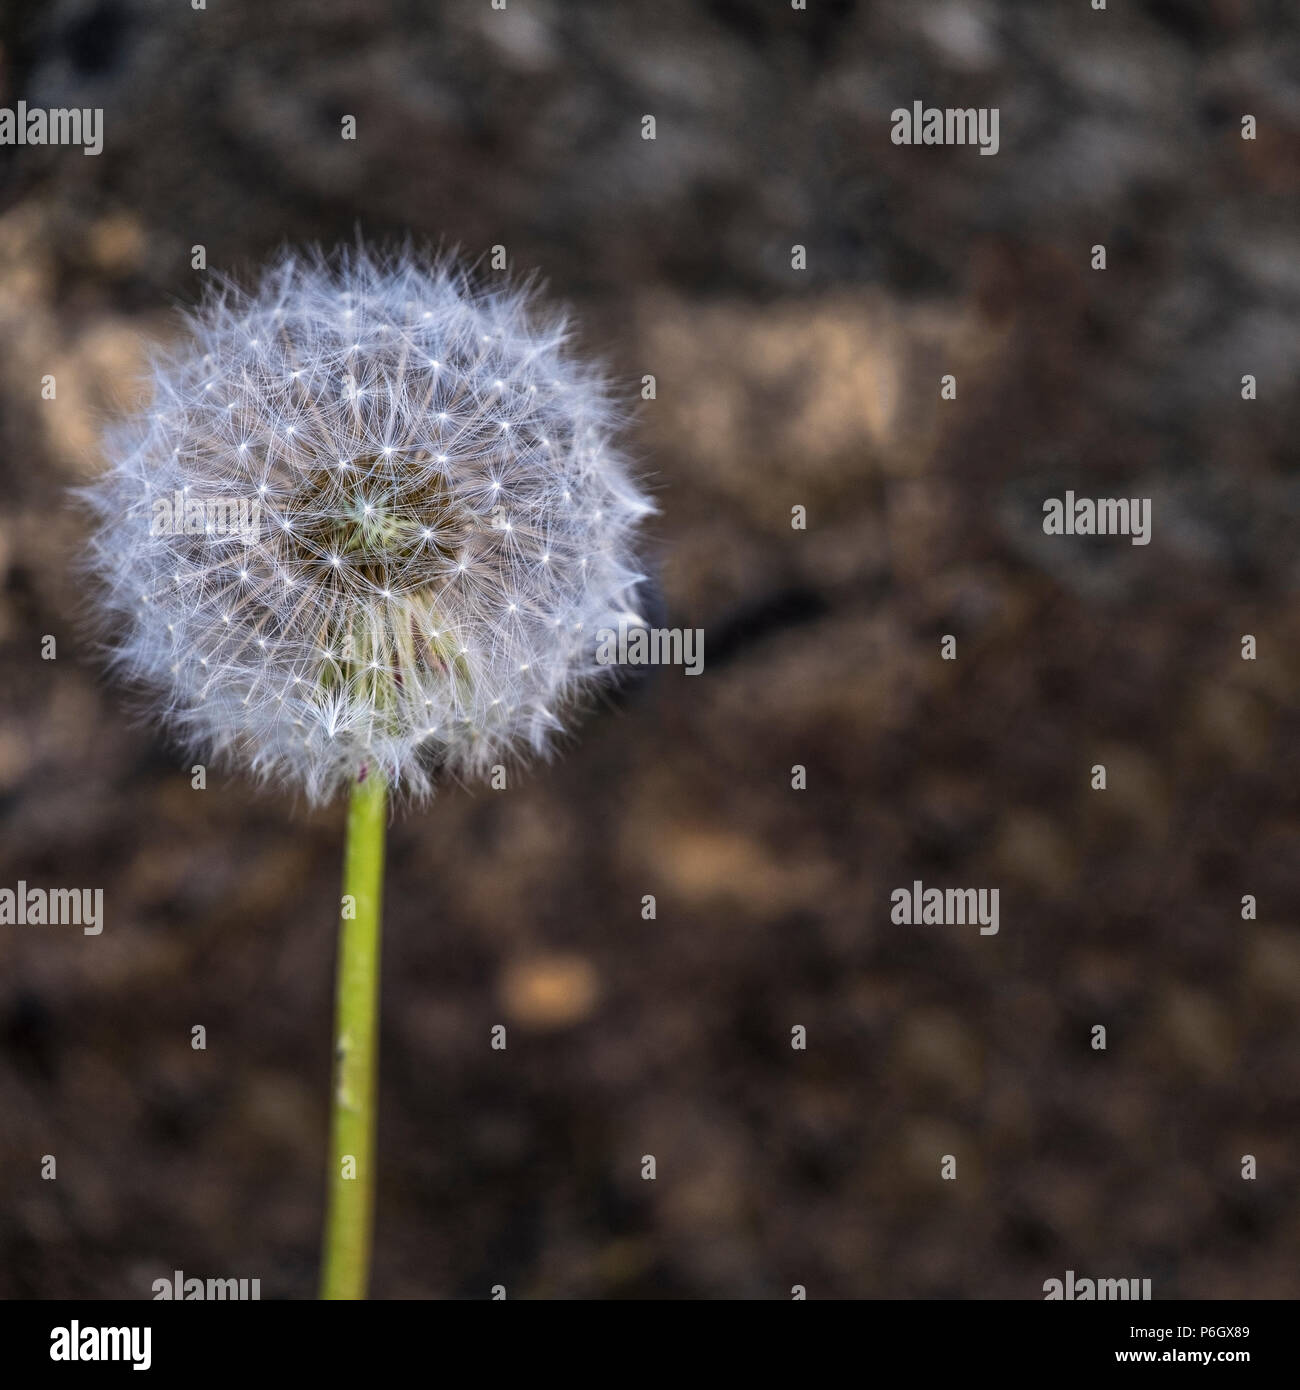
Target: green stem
{"points": [[351, 1200]]}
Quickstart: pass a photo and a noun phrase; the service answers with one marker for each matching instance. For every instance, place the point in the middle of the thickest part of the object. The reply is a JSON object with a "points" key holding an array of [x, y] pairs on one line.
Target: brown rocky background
{"points": [[775, 388]]}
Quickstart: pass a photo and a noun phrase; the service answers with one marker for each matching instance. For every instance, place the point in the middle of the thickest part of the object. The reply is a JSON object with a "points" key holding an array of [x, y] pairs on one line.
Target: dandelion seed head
{"points": [[375, 611]]}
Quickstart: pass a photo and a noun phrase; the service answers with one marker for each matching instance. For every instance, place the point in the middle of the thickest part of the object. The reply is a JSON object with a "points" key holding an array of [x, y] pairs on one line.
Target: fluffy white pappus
{"points": [[373, 516]]}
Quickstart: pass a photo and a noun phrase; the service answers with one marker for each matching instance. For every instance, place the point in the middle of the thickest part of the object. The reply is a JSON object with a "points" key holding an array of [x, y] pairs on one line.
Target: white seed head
{"points": [[371, 517]]}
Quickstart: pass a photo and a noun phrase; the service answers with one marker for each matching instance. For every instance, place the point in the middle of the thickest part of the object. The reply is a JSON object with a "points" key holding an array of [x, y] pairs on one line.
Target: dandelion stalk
{"points": [[349, 1220]]}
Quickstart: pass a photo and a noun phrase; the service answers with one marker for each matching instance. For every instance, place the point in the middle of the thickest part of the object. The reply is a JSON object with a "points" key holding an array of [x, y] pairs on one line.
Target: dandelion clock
{"points": [[361, 539]]}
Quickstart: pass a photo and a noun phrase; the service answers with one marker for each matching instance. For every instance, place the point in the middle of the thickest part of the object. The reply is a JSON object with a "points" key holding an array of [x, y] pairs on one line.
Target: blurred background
{"points": [[775, 388]]}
